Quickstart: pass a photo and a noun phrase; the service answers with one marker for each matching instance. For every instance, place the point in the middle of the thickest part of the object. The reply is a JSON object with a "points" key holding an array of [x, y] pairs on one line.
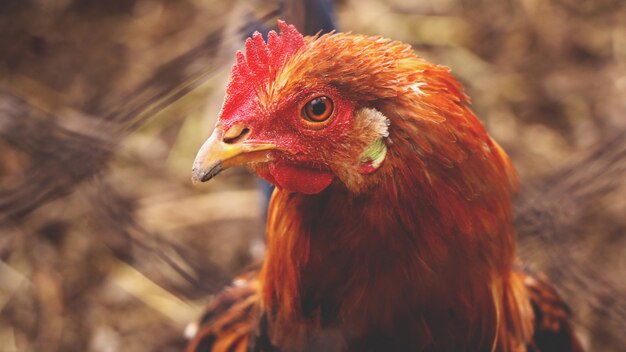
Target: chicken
{"points": [[391, 225]]}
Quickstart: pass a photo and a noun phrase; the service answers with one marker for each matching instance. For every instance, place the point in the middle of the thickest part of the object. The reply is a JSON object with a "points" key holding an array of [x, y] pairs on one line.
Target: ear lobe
{"points": [[376, 124], [372, 157]]}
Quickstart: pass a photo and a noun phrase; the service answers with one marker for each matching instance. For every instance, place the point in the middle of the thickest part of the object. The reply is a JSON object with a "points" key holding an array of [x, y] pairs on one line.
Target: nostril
{"points": [[236, 138]]}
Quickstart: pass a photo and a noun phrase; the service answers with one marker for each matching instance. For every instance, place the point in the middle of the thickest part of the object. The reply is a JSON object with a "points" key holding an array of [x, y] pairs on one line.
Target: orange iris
{"points": [[318, 109]]}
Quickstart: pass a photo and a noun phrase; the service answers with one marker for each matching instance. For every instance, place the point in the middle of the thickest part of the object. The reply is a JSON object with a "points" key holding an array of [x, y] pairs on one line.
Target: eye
{"points": [[318, 109]]}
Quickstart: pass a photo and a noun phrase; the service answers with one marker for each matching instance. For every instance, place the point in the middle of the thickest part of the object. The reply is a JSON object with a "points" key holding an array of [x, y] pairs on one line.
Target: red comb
{"points": [[261, 59]]}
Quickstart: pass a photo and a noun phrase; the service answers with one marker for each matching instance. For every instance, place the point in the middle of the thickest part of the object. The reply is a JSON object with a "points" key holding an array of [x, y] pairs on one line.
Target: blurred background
{"points": [[106, 246]]}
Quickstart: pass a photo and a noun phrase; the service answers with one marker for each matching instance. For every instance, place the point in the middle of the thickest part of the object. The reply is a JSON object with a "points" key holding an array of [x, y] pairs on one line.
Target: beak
{"points": [[220, 152]]}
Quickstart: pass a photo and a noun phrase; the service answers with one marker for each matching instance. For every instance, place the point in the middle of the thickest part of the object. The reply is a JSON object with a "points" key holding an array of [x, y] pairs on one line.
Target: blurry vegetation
{"points": [[106, 246]]}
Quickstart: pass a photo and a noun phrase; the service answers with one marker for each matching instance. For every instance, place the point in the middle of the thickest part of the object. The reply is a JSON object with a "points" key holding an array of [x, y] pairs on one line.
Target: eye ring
{"points": [[318, 110]]}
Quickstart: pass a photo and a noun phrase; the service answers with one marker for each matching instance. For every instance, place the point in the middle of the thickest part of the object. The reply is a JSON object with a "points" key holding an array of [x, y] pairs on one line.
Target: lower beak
{"points": [[215, 155]]}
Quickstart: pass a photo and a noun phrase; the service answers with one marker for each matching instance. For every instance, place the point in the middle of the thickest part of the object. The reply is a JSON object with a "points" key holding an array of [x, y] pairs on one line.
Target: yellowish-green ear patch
{"points": [[375, 124], [372, 157], [369, 132]]}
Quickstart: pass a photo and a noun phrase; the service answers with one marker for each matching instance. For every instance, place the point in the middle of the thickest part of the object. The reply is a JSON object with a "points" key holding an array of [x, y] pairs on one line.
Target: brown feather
{"points": [[419, 256]]}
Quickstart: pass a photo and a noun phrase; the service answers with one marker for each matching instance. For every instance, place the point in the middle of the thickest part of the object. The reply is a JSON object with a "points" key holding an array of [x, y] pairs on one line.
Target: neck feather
{"points": [[434, 237]]}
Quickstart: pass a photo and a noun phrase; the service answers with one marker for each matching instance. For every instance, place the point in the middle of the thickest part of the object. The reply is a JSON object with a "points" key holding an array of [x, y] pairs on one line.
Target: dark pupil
{"points": [[318, 107]]}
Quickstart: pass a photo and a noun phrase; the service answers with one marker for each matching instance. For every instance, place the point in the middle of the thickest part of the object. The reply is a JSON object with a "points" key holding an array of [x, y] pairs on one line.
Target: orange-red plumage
{"points": [[417, 253]]}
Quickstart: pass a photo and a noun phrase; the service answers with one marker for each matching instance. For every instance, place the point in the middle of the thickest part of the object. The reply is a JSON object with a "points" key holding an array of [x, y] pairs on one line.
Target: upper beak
{"points": [[224, 150]]}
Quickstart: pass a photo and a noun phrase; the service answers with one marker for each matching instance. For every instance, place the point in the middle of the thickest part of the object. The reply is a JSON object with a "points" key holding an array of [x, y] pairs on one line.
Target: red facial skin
{"points": [[303, 148], [299, 163]]}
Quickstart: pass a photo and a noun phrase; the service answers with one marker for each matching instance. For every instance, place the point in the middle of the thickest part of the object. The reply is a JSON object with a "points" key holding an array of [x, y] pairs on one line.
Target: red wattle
{"points": [[300, 179]]}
